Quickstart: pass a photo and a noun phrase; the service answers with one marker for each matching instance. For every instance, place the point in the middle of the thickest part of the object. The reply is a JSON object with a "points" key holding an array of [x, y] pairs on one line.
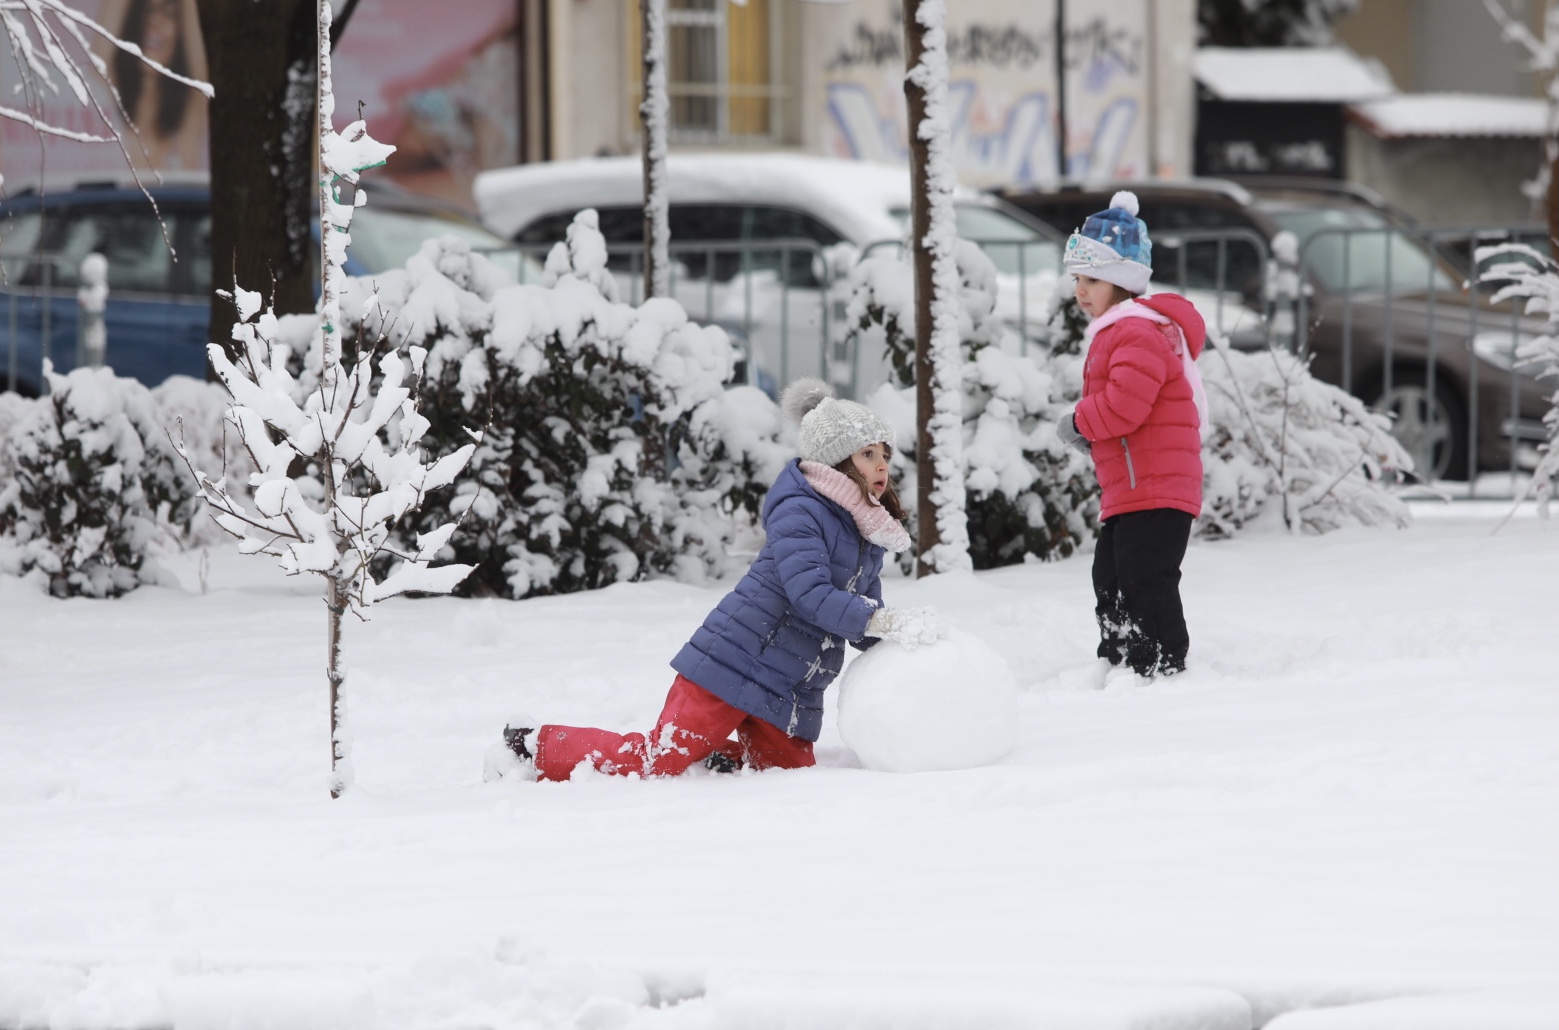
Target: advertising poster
{"points": [[443, 89], [171, 117]]}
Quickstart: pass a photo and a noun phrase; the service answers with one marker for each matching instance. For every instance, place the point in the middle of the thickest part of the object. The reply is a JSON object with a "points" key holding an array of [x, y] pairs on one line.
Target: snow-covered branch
{"points": [[654, 117], [1521, 271], [1514, 30], [363, 439]]}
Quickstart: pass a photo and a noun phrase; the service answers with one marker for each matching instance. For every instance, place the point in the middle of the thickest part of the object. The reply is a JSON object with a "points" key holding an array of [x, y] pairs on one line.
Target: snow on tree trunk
{"points": [[362, 440], [944, 529], [654, 112]]}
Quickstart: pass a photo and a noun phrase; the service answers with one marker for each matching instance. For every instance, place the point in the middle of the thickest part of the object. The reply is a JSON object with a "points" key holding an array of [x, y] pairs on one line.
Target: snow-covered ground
{"points": [[1348, 801]]}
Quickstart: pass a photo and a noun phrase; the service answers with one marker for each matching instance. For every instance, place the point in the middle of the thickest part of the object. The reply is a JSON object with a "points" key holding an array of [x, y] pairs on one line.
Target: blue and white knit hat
{"points": [[1113, 245]]}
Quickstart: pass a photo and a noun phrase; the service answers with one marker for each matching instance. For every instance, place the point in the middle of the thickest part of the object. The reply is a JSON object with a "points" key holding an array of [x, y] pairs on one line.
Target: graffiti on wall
{"points": [[1002, 93]]}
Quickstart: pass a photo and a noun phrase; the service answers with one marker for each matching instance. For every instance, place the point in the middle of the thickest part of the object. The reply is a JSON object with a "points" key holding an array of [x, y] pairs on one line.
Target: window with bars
{"points": [[720, 65]]}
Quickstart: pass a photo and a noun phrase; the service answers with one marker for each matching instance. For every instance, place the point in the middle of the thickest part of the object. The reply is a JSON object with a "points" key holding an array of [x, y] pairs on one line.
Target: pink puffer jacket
{"points": [[1138, 408]]}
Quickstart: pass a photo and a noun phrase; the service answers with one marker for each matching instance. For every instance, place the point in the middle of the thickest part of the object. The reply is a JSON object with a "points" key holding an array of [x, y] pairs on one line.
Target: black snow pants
{"points": [[1136, 586]]}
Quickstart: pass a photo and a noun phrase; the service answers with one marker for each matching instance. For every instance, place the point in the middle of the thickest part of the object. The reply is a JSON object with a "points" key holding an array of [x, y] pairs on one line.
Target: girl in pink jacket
{"points": [[1140, 419]]}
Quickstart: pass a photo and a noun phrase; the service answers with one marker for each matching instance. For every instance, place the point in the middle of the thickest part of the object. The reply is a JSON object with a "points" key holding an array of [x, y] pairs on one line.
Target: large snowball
{"points": [[948, 705]]}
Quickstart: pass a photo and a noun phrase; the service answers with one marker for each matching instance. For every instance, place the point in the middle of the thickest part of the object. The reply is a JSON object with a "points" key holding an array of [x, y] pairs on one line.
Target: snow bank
{"points": [[952, 704], [959, 1001], [1532, 1008], [1347, 798]]}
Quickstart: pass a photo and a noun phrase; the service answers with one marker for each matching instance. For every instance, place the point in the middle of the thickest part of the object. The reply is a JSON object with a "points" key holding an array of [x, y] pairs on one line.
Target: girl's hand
{"points": [[910, 627], [1066, 430]]}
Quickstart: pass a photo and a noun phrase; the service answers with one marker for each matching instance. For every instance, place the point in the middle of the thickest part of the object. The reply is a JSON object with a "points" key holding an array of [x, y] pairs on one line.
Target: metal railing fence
{"points": [[786, 302], [26, 265], [1371, 267]]}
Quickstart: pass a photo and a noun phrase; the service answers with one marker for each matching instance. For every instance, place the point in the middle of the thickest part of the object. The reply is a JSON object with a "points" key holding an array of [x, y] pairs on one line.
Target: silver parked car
{"points": [[760, 242]]}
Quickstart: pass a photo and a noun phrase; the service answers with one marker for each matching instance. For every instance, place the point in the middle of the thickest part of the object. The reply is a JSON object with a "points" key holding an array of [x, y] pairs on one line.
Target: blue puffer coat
{"points": [[776, 642]]}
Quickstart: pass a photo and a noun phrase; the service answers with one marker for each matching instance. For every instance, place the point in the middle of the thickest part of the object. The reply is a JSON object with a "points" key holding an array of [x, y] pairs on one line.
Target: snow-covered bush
{"points": [[1285, 442], [90, 484], [612, 450], [727, 451], [192, 412], [1522, 271], [1281, 440], [1026, 493]]}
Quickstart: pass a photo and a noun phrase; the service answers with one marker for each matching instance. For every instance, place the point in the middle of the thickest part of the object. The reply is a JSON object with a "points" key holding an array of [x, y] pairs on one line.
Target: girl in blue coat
{"points": [[759, 664]]}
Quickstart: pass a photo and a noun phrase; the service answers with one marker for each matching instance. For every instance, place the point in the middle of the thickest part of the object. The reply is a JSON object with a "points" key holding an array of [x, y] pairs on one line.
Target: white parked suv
{"points": [[756, 243]]}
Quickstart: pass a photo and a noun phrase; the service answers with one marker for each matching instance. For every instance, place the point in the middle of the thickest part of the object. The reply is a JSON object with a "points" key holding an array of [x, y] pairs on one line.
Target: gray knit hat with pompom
{"points": [[829, 430]]}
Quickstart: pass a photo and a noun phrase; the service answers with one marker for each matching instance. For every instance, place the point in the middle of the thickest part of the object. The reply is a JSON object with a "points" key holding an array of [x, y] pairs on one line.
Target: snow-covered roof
{"points": [[1452, 114], [855, 197], [1297, 74]]}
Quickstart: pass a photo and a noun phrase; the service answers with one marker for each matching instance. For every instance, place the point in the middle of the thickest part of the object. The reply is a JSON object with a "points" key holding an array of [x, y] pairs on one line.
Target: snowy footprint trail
{"points": [[1346, 802]]}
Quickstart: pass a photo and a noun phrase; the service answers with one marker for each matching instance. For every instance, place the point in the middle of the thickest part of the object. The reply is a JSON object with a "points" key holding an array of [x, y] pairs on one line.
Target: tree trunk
{"points": [[1551, 196], [920, 256], [335, 607], [654, 113], [263, 69]]}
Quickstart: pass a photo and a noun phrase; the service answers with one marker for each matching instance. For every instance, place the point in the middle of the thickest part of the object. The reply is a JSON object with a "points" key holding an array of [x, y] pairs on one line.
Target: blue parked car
{"points": [[158, 308]]}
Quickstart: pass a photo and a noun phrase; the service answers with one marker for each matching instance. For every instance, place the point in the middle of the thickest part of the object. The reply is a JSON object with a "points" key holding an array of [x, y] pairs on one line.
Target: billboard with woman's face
{"points": [[444, 90], [170, 118]]}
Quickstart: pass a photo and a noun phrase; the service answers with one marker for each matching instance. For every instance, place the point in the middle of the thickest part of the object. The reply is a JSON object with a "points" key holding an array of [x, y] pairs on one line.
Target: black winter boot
{"points": [[515, 738], [509, 758], [722, 763]]}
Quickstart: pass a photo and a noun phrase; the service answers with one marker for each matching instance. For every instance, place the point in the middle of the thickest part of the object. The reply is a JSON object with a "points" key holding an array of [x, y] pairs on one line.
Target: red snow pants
{"points": [[693, 725]]}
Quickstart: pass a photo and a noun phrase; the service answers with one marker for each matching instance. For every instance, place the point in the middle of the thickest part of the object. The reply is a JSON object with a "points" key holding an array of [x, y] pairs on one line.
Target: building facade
{"points": [[1039, 89], [828, 78]]}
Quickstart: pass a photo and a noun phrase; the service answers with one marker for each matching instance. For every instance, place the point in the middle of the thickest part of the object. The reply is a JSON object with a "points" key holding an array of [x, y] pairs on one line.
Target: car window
{"points": [[196, 277], [623, 228], [547, 229], [703, 222], [384, 237], [1013, 246], [775, 223], [1175, 214], [18, 239], [1345, 248], [781, 223], [1199, 266], [131, 239], [617, 224], [1065, 213]]}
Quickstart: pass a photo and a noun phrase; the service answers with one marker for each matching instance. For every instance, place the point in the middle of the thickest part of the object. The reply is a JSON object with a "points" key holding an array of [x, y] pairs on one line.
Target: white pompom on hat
{"points": [[829, 430]]}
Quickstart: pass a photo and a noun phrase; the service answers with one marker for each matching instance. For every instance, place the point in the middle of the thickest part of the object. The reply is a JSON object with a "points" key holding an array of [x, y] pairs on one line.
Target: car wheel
{"points": [[1433, 429]]}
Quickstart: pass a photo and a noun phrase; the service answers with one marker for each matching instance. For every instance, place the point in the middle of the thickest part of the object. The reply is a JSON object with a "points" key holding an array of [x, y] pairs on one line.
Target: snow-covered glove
{"points": [[910, 627], [1066, 431]]}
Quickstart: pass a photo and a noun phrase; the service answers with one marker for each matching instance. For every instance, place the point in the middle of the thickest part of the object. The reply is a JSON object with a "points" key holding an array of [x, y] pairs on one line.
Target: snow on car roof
{"points": [[1294, 74], [1453, 114], [855, 197]]}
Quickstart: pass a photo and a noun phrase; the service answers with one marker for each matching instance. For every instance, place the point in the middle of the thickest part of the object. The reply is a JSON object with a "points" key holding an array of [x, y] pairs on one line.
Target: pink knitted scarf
{"points": [[871, 518]]}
